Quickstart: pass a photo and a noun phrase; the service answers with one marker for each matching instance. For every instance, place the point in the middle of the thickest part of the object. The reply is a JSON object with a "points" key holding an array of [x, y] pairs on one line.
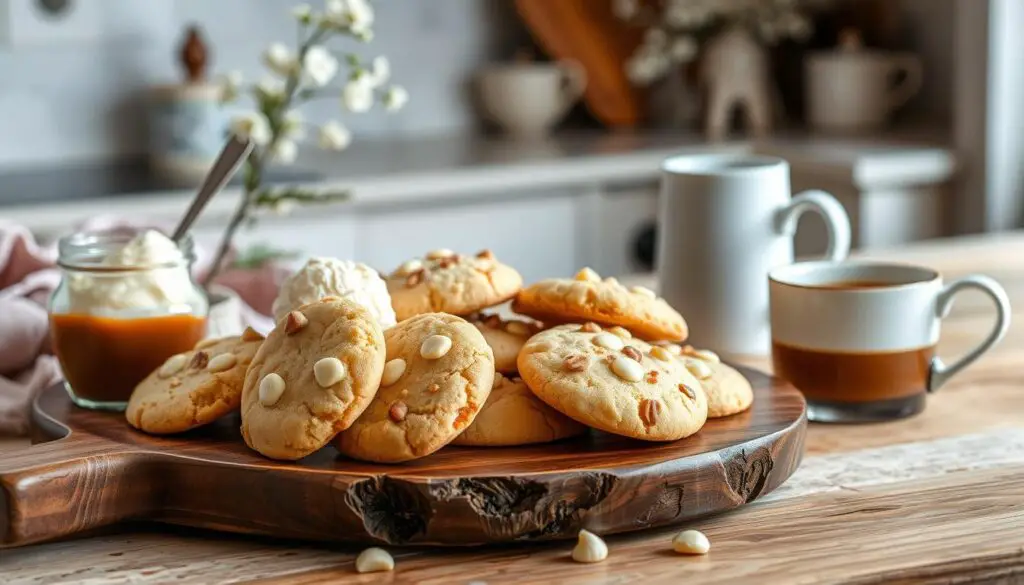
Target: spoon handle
{"points": [[227, 163]]}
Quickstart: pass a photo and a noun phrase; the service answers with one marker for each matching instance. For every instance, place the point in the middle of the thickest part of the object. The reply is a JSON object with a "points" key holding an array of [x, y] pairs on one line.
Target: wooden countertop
{"points": [[934, 498]]}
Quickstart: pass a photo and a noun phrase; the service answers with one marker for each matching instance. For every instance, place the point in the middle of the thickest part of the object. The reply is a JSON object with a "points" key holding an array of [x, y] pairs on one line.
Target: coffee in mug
{"points": [[858, 338]]}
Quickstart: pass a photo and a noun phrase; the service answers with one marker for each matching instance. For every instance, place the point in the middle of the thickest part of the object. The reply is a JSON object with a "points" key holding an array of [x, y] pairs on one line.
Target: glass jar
{"points": [[120, 311]]}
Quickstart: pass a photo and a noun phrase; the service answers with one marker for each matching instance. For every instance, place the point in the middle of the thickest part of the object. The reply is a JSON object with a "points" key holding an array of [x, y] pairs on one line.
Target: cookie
{"points": [[194, 388], [607, 302], [315, 373], [446, 282], [438, 375], [506, 338], [613, 382], [728, 391], [512, 415]]}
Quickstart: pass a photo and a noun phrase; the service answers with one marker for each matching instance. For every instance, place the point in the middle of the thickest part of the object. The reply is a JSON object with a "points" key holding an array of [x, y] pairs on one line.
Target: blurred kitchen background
{"points": [[548, 194]]}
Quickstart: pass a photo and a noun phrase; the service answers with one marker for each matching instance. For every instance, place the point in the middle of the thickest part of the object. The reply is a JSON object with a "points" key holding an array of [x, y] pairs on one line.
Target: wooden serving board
{"points": [[101, 472]]}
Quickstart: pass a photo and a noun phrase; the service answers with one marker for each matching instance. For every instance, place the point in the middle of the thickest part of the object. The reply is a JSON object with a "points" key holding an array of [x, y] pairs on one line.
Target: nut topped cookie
{"points": [[438, 374], [588, 298], [512, 415], [613, 382], [728, 391], [316, 372], [506, 338], [194, 388], [443, 281]]}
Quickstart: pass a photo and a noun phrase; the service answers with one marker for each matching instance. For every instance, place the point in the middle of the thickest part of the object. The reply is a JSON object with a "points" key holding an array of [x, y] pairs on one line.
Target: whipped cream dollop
{"points": [[326, 277], [156, 277]]}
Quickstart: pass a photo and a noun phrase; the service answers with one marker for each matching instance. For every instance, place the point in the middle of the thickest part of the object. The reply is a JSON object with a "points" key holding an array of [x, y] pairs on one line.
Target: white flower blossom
{"points": [[303, 13], [353, 15], [279, 59], [251, 125], [230, 86], [358, 94], [270, 88], [284, 151], [334, 136], [380, 71], [319, 65], [292, 126], [395, 98]]}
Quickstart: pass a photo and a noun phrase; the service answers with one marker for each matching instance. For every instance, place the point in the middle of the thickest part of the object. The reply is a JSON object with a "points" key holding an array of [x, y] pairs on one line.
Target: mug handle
{"points": [[940, 373], [574, 82], [913, 73], [836, 221]]}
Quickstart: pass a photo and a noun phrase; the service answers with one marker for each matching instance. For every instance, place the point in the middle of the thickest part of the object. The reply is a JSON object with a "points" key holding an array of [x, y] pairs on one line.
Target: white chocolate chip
{"points": [[621, 332], [517, 328], [439, 254], [393, 370], [589, 548], [374, 560], [328, 371], [699, 368], [673, 348], [435, 347], [221, 362], [691, 542], [661, 354], [643, 291], [173, 365], [704, 354], [271, 389], [588, 275], [205, 343], [627, 369], [408, 267], [609, 341]]}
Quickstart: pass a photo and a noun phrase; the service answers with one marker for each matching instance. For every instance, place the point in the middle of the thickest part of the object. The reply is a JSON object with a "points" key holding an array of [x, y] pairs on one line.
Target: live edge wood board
{"points": [[99, 472]]}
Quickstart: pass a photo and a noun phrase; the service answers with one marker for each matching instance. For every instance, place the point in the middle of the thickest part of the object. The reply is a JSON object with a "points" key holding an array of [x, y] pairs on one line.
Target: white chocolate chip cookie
{"points": [[729, 392], [444, 281], [512, 415], [317, 371], [194, 388], [506, 338], [439, 374], [606, 302], [622, 389]]}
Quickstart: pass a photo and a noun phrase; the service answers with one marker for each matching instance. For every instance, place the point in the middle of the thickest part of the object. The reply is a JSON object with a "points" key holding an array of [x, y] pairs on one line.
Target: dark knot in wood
{"points": [[393, 511], [748, 474]]}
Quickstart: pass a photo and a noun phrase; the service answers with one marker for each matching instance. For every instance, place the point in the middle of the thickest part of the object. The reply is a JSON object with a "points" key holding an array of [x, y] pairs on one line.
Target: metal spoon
{"points": [[227, 163]]}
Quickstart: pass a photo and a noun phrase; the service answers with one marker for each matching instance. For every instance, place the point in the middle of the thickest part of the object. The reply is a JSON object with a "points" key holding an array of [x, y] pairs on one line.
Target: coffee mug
{"points": [[527, 99], [854, 91], [858, 338], [726, 220]]}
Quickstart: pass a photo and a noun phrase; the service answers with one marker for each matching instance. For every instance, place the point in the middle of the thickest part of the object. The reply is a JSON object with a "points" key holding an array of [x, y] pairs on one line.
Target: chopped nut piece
{"points": [[621, 332], [688, 391], [493, 321], [632, 353], [199, 360], [661, 354], [175, 382], [652, 377], [295, 322], [433, 388], [373, 560], [251, 334], [589, 548], [485, 255], [588, 275], [691, 542], [576, 363], [415, 278], [650, 411], [590, 327], [398, 411], [447, 262], [439, 253]]}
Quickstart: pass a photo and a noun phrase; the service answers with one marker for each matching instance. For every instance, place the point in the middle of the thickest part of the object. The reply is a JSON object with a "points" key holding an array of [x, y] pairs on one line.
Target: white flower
{"points": [[320, 65], [334, 136], [625, 9], [683, 49], [252, 125], [230, 85], [380, 71], [395, 98], [303, 13], [292, 126], [270, 88], [358, 94], [284, 151], [354, 15], [279, 59]]}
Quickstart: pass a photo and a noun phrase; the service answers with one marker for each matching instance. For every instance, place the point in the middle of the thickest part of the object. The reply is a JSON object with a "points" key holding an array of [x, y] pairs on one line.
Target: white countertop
{"points": [[400, 172]]}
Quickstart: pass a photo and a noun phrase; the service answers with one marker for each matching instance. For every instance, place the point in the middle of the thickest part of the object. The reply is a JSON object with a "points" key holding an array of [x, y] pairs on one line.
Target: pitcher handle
{"points": [[837, 222], [940, 373]]}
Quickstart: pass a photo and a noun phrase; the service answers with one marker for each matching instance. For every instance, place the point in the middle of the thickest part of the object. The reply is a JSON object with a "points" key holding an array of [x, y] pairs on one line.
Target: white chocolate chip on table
{"points": [[590, 548], [374, 560], [691, 542]]}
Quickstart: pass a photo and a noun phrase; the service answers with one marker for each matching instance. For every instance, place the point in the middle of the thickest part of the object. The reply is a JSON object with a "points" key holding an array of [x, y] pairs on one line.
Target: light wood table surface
{"points": [[932, 499]]}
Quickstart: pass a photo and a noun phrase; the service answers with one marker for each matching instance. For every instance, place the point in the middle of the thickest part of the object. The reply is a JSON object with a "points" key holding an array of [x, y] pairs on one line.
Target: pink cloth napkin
{"points": [[28, 277]]}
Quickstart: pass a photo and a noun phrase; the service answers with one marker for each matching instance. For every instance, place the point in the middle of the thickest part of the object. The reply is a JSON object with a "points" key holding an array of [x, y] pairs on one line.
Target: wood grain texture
{"points": [[103, 472], [588, 32]]}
